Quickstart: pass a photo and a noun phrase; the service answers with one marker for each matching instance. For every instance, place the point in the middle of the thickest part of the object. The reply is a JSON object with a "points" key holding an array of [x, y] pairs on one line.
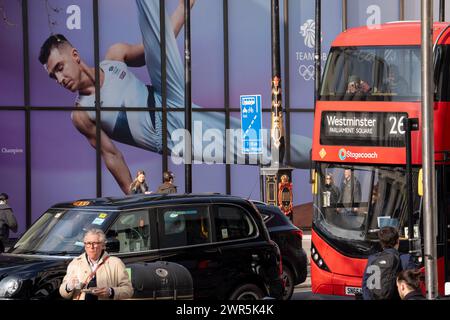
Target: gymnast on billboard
{"points": [[120, 88]]}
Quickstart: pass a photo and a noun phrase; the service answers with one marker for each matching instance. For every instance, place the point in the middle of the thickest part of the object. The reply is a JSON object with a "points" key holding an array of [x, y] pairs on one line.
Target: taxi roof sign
{"points": [[81, 203]]}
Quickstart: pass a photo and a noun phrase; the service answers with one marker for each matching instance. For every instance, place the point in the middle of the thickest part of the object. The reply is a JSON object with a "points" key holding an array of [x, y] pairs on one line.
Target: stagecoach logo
{"points": [[342, 154], [322, 153], [307, 30]]}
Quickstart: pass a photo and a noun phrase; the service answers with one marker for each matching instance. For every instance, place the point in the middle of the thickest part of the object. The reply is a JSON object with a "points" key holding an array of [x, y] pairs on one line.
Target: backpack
{"points": [[388, 263], [3, 229]]}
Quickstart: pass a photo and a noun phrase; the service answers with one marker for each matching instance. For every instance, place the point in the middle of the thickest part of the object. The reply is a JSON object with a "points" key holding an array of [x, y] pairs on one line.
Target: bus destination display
{"points": [[383, 129]]}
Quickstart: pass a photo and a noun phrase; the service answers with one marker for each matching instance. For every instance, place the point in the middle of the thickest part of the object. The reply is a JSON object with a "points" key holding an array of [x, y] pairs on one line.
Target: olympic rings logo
{"points": [[307, 72], [342, 154]]}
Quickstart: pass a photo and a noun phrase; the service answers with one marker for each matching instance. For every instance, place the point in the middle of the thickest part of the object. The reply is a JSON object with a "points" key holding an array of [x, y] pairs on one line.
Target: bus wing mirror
{"points": [[314, 181], [420, 183]]}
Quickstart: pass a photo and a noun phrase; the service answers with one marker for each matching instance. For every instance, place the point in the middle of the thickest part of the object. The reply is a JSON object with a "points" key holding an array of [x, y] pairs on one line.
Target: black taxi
{"points": [[221, 240]]}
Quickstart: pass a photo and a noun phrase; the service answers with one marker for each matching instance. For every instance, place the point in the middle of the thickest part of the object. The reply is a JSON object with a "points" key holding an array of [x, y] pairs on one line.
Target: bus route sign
{"points": [[251, 123], [381, 129]]}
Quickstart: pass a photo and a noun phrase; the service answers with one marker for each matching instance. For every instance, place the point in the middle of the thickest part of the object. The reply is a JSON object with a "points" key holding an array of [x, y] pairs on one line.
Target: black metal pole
{"points": [[26, 93], [162, 36], [442, 10], [409, 188], [262, 182], [318, 53], [402, 10], [226, 85], [344, 15], [187, 97], [277, 132], [428, 158], [98, 153], [287, 102]]}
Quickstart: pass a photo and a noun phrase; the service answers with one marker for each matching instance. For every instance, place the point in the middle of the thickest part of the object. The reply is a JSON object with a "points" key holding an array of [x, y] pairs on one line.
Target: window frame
{"points": [[255, 225], [152, 229], [159, 211]]}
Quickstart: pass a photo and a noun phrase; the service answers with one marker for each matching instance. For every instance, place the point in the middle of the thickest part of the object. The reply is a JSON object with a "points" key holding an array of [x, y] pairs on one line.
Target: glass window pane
{"points": [[233, 223], [301, 47], [12, 164], [74, 20], [207, 54], [11, 63], [62, 161], [132, 230], [208, 178], [250, 53], [132, 142], [412, 10], [353, 201], [371, 12], [184, 226], [118, 23], [373, 74]]}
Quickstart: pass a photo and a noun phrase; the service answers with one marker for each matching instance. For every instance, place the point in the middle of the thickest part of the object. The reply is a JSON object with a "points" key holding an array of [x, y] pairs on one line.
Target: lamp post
{"points": [[277, 177]]}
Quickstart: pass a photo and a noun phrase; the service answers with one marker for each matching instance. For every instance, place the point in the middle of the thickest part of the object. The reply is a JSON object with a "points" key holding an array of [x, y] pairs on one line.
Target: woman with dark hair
{"points": [[408, 285], [139, 185]]}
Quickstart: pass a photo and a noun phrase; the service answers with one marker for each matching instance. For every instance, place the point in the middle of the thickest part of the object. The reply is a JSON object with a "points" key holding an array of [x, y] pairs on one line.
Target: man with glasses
{"points": [[94, 274]]}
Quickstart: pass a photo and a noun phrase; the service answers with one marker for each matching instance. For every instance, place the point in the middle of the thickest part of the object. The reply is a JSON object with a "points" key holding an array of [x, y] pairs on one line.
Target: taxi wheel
{"points": [[288, 279], [247, 292]]}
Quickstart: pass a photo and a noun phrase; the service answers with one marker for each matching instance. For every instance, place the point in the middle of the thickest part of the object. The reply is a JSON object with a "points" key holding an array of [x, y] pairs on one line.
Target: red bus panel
{"points": [[389, 34], [345, 271]]}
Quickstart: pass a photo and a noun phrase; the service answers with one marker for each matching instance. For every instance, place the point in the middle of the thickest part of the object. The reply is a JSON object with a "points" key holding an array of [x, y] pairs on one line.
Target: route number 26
{"points": [[396, 125]]}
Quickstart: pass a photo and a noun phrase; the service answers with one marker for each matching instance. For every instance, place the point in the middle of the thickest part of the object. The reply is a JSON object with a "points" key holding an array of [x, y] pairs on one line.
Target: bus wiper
{"points": [[34, 252], [48, 253], [25, 252], [58, 253]]}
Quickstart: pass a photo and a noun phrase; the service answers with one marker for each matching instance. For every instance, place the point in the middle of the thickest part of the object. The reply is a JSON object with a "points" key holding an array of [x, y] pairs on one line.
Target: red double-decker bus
{"points": [[371, 83]]}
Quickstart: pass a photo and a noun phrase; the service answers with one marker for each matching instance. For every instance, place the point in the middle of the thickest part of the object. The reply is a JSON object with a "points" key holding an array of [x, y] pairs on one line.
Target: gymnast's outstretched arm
{"points": [[114, 159]]}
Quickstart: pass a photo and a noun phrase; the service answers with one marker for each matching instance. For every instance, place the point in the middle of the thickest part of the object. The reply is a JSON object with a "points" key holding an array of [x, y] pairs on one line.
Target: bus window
{"points": [[442, 72], [377, 73], [353, 200]]}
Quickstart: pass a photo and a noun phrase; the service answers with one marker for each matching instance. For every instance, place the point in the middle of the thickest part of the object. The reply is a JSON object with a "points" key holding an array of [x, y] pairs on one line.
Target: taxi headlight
{"points": [[9, 286]]}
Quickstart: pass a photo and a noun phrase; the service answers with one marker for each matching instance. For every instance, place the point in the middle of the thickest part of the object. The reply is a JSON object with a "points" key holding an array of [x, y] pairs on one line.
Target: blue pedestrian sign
{"points": [[251, 124]]}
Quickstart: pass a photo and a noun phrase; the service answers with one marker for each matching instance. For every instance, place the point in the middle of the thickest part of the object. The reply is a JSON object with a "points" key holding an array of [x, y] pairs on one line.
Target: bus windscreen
{"points": [[352, 200], [378, 73]]}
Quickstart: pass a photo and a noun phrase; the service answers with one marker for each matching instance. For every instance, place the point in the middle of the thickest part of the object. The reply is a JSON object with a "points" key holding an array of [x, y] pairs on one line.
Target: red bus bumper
{"points": [[324, 282], [342, 276]]}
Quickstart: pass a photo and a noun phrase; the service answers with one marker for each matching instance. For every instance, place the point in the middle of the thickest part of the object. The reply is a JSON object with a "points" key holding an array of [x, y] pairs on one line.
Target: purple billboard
{"points": [[61, 91]]}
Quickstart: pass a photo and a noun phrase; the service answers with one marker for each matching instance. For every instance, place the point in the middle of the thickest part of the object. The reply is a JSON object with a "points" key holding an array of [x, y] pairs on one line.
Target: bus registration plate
{"points": [[351, 291]]}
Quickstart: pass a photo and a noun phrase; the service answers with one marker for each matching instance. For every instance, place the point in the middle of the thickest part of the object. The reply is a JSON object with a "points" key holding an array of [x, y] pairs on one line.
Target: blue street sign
{"points": [[251, 124]]}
